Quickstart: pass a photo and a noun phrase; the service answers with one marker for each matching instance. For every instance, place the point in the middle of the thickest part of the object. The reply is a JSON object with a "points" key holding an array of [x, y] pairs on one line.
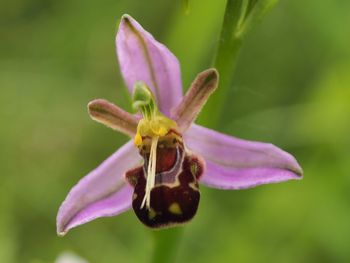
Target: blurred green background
{"points": [[291, 88]]}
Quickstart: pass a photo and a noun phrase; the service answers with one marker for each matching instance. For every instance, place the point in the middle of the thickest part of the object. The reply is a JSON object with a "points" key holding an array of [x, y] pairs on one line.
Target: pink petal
{"points": [[221, 177], [112, 116], [142, 58], [197, 95], [103, 192], [234, 163]]}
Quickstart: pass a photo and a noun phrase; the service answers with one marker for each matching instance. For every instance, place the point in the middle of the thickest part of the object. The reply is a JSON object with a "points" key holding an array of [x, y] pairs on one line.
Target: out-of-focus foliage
{"points": [[291, 88]]}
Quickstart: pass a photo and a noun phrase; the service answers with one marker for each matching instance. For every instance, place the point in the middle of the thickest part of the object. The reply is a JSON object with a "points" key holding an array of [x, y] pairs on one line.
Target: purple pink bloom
{"points": [[158, 172]]}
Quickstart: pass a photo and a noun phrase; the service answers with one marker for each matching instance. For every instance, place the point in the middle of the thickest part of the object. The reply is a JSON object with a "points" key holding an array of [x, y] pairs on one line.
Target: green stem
{"points": [[239, 16], [166, 244], [225, 59]]}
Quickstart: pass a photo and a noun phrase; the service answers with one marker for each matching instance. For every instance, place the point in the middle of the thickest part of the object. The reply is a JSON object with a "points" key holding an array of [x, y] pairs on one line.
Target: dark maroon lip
{"points": [[175, 196]]}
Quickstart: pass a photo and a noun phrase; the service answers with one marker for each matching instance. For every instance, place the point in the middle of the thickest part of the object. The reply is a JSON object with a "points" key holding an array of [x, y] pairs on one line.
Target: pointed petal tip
{"points": [[211, 76], [61, 233], [214, 75], [93, 104], [126, 17], [297, 170], [112, 205], [287, 161], [212, 72], [62, 227], [234, 163], [129, 22], [225, 178], [291, 163], [102, 193]]}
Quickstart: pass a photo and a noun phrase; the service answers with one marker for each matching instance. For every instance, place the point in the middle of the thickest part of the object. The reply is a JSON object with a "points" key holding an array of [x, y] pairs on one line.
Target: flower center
{"points": [[153, 125]]}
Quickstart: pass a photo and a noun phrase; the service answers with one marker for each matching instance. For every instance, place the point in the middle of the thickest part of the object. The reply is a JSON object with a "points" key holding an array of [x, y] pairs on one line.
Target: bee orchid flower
{"points": [[158, 172]]}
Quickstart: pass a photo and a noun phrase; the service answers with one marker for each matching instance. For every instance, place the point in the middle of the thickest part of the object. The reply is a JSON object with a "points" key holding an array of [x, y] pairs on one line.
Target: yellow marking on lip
{"points": [[175, 208], [151, 213]]}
